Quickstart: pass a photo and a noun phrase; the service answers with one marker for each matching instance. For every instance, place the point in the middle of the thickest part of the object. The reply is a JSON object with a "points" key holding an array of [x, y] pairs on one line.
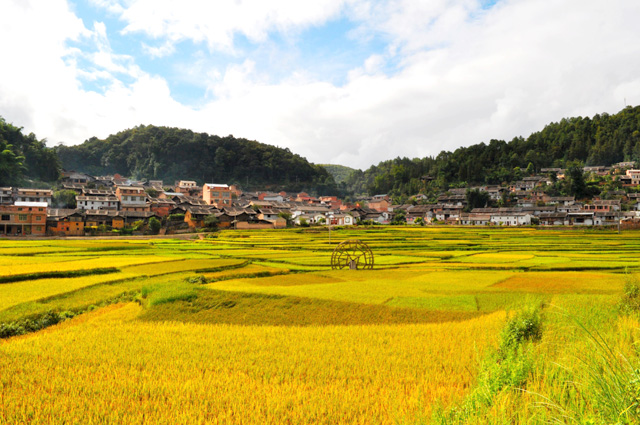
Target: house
{"points": [[72, 177], [474, 219], [6, 195], [417, 211], [309, 210], [230, 217], [156, 184], [511, 218], [600, 205], [270, 196], [217, 194], [553, 218], [458, 200], [559, 200], [331, 201], [33, 195], [339, 219], [98, 192], [194, 216], [65, 222], [132, 198], [606, 218], [380, 205], [188, 187], [268, 214], [447, 212], [95, 218], [634, 176], [128, 218], [109, 202], [185, 185], [581, 218], [306, 218], [161, 207], [23, 218]]}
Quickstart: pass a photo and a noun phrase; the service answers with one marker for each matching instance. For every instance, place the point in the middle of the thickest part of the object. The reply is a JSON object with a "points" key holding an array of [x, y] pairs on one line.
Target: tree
{"points": [[419, 221], [287, 217], [64, 199], [154, 225], [399, 218], [577, 185], [11, 165], [211, 222], [476, 199]]}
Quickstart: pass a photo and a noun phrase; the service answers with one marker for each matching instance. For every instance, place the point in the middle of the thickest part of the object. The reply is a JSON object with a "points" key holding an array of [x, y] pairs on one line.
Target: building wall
{"points": [[219, 195], [23, 220]]}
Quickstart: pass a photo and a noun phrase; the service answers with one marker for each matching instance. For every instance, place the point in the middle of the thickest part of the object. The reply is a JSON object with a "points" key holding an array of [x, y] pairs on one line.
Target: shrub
{"points": [[154, 225], [525, 325], [630, 302]]}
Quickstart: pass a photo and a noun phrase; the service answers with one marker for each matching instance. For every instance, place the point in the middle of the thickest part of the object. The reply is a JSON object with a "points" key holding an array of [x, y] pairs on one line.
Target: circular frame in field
{"points": [[352, 254]]}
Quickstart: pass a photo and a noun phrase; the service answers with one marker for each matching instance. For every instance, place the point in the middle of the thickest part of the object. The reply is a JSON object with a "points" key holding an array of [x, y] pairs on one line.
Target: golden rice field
{"points": [[254, 327]]}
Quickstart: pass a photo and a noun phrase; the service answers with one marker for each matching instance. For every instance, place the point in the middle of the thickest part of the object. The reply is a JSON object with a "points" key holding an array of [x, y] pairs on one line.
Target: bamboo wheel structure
{"points": [[352, 254]]}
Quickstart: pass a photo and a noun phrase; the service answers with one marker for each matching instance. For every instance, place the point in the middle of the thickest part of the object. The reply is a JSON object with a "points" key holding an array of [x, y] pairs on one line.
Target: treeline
{"points": [[602, 140], [25, 157], [169, 154]]}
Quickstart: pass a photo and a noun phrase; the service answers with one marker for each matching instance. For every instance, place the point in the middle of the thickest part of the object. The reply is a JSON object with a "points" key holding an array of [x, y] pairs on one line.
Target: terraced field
{"points": [[255, 327]]}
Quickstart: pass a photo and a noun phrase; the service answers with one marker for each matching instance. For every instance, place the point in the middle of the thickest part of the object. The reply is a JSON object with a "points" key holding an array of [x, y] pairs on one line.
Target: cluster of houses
{"points": [[115, 202]]}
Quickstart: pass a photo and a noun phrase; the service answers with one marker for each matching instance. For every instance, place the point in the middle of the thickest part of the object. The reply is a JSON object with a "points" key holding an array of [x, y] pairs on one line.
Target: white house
{"points": [[109, 202], [510, 218]]}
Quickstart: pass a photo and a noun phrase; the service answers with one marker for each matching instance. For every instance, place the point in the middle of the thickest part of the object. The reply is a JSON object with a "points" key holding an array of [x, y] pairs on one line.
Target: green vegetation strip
{"points": [[56, 275], [188, 303]]}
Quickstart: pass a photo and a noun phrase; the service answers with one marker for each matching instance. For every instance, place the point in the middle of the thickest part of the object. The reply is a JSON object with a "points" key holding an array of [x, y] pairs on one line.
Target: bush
{"points": [[197, 279], [154, 225], [630, 302], [526, 325]]}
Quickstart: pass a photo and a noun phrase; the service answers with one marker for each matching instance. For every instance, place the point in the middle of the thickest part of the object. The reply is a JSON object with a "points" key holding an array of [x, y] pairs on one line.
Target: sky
{"points": [[351, 82]]}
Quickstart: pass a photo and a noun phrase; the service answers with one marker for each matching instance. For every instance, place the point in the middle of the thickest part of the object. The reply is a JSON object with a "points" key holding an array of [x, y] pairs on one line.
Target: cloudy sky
{"points": [[350, 82]]}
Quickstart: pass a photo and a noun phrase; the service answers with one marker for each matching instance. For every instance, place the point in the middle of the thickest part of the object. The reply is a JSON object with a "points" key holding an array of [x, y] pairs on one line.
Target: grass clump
{"points": [[504, 369], [25, 326], [630, 302], [169, 292]]}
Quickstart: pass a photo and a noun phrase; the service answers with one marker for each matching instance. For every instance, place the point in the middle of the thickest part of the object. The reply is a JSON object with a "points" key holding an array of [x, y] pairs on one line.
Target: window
{"points": [[22, 217], [38, 218], [6, 217], [38, 228]]}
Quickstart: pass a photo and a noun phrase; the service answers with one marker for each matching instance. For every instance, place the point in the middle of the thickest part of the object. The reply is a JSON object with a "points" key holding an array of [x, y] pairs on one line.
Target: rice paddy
{"points": [[255, 327]]}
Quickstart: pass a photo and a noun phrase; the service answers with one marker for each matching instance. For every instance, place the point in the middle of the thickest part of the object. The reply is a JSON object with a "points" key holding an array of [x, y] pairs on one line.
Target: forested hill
{"points": [[340, 173], [169, 154], [25, 157], [602, 140]]}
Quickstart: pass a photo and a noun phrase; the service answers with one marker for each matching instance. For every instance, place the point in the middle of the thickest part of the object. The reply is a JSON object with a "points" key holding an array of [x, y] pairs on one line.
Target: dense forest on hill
{"points": [[150, 152], [169, 154], [25, 157], [340, 173], [602, 140]]}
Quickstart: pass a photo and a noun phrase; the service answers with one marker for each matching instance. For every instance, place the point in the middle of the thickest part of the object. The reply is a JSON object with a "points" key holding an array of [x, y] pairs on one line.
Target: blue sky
{"points": [[352, 82]]}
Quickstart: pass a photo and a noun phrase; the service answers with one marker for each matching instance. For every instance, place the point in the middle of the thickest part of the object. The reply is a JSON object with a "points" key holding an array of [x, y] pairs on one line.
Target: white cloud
{"points": [[217, 23], [464, 75]]}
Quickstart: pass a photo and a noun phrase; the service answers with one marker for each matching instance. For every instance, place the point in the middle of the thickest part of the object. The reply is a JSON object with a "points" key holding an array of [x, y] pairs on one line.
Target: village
{"points": [[107, 205]]}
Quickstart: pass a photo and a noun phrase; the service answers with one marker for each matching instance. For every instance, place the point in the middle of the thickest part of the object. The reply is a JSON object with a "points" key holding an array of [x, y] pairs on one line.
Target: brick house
{"points": [[23, 218], [65, 222], [217, 194], [132, 198]]}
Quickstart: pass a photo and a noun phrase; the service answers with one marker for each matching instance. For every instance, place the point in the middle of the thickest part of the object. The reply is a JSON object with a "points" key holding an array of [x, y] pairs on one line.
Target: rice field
{"points": [[255, 327]]}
